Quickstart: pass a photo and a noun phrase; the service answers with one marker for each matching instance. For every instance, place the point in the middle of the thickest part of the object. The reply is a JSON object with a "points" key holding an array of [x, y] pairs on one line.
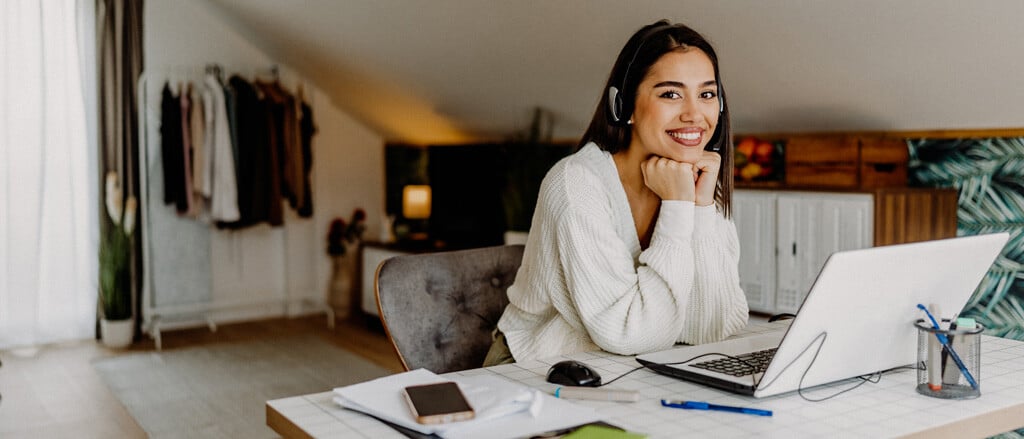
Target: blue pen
{"points": [[697, 405], [949, 349]]}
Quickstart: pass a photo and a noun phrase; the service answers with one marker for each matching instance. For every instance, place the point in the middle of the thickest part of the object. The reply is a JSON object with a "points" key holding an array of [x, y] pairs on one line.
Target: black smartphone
{"points": [[438, 403]]}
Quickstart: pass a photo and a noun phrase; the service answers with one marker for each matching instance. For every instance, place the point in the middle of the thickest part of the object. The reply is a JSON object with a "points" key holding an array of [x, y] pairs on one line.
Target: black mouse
{"points": [[573, 373]]}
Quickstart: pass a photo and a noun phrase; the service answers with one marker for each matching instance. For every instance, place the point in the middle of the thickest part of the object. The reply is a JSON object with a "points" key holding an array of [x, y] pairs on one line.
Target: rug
{"points": [[220, 391]]}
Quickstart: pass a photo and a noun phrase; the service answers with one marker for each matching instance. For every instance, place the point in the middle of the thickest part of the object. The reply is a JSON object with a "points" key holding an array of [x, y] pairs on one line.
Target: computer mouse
{"points": [[573, 373]]}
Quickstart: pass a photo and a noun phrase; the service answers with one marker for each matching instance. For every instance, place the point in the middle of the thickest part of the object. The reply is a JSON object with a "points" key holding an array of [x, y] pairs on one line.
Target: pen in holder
{"points": [[949, 369]]}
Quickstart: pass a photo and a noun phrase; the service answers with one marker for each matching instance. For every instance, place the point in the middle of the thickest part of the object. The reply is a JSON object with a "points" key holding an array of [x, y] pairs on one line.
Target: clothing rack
{"points": [[153, 315]]}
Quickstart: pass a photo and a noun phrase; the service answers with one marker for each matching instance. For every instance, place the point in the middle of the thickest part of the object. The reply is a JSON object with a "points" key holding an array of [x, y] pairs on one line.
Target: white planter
{"points": [[117, 334]]}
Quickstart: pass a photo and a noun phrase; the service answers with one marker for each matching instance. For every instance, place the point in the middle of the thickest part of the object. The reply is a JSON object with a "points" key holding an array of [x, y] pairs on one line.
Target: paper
{"points": [[503, 408]]}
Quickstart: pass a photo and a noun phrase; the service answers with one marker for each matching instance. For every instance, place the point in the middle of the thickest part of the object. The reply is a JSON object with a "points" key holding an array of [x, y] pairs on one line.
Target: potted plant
{"points": [[342, 241], [117, 326]]}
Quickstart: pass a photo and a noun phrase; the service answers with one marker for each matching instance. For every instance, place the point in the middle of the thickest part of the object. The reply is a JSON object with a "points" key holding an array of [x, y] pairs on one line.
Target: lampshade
{"points": [[416, 201]]}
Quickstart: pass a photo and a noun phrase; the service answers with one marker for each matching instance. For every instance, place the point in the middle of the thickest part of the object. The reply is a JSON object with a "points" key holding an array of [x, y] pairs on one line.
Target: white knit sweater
{"points": [[585, 284]]}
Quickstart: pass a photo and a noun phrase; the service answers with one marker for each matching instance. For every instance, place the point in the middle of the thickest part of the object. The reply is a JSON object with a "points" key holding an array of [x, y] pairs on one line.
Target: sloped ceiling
{"points": [[459, 70]]}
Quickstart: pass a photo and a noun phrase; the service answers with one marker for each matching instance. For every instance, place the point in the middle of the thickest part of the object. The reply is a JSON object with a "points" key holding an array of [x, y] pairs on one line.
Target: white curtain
{"points": [[48, 221]]}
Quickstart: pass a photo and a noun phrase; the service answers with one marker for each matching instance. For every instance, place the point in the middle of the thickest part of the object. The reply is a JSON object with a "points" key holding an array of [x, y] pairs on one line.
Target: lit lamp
{"points": [[416, 205]]}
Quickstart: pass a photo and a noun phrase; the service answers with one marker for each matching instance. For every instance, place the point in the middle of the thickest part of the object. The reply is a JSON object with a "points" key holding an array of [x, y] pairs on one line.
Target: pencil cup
{"points": [[948, 360]]}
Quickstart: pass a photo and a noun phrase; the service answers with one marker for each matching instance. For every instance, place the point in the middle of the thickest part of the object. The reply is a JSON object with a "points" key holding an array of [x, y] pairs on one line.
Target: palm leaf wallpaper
{"points": [[989, 174]]}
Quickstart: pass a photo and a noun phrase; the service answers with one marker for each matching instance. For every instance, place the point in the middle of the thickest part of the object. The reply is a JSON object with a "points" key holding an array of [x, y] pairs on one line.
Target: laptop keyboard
{"points": [[740, 365]]}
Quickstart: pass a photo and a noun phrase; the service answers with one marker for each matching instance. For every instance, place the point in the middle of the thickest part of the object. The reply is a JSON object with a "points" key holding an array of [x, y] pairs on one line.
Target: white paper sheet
{"points": [[504, 409]]}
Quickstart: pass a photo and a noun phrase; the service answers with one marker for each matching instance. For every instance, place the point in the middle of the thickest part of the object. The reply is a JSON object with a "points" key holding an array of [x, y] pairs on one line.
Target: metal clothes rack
{"points": [[152, 314]]}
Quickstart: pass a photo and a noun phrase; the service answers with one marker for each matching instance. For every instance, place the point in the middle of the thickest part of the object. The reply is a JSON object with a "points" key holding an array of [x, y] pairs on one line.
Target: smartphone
{"points": [[438, 403]]}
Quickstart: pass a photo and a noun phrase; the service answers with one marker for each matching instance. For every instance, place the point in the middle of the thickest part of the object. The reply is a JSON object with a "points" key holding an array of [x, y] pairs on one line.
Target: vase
{"points": [[117, 334], [343, 273]]}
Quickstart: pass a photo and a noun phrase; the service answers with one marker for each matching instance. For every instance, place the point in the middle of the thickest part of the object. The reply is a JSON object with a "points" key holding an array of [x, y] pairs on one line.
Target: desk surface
{"points": [[888, 408]]}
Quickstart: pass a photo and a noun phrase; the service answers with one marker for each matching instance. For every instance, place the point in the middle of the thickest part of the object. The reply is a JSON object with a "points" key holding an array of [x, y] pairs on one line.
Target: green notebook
{"points": [[599, 432]]}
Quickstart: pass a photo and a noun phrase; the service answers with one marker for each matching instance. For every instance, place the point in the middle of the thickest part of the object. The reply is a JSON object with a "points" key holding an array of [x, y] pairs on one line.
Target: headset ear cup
{"points": [[614, 104]]}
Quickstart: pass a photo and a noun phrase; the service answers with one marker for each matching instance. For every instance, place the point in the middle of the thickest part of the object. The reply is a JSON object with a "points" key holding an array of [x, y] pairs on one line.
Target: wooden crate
{"points": [[845, 162], [822, 162], [883, 163]]}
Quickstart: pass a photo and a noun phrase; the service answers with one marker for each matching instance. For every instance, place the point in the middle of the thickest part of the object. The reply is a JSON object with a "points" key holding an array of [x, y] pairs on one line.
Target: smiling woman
{"points": [[631, 249]]}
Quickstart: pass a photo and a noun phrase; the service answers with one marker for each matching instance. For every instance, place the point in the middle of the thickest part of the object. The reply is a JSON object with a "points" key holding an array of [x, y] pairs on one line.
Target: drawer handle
{"points": [[884, 167]]}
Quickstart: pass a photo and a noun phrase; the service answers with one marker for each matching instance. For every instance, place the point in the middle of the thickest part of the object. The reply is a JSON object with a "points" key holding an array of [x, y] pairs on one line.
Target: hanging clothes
{"points": [[257, 195], [198, 125], [222, 178], [288, 143], [234, 150], [170, 148], [186, 206], [307, 129]]}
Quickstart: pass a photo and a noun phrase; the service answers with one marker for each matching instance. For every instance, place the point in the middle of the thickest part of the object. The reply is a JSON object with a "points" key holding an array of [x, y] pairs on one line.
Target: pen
{"points": [[934, 357], [697, 405], [949, 349]]}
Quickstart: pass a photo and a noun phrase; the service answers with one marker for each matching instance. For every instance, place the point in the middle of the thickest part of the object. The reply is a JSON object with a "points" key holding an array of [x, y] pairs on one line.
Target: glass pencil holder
{"points": [[949, 368]]}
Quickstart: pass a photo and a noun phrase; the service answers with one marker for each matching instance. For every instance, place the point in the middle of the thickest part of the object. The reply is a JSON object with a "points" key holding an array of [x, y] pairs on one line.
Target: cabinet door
{"points": [[372, 257], [754, 215], [810, 228]]}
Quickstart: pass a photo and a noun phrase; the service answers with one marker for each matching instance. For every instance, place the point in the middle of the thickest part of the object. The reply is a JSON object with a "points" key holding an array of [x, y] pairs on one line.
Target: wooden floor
{"points": [[54, 391]]}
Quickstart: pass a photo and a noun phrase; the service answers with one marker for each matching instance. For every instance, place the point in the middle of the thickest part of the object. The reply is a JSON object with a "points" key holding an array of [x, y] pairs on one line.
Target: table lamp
{"points": [[416, 206]]}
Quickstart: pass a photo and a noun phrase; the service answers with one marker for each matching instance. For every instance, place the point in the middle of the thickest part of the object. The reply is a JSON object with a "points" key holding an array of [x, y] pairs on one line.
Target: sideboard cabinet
{"points": [[786, 236]]}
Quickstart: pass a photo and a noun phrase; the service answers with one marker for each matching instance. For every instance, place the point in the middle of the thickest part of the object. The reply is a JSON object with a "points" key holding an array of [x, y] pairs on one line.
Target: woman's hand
{"points": [[706, 171], [669, 179]]}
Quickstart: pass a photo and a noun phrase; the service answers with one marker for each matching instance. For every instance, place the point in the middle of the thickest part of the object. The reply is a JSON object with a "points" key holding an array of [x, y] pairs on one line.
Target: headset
{"points": [[616, 105]]}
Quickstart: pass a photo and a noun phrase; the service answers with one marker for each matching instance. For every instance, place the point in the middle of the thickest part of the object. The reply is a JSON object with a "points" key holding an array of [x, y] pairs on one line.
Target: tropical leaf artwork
{"points": [[989, 174]]}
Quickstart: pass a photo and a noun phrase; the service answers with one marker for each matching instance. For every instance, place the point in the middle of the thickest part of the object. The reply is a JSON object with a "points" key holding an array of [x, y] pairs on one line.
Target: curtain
{"points": [[47, 174], [119, 62]]}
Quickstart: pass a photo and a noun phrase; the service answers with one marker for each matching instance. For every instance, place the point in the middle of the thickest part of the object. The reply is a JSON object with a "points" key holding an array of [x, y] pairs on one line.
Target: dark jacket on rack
{"points": [[307, 129], [258, 194], [171, 147]]}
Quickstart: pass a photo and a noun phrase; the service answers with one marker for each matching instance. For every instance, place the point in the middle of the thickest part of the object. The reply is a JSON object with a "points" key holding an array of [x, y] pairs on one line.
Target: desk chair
{"points": [[439, 309]]}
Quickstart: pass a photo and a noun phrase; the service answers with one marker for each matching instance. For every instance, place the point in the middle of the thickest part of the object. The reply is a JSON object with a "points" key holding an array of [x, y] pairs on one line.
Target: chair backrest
{"points": [[439, 308]]}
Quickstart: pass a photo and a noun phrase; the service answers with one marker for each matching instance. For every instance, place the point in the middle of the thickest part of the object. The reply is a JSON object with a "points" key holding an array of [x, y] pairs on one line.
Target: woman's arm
{"points": [[718, 306], [626, 308]]}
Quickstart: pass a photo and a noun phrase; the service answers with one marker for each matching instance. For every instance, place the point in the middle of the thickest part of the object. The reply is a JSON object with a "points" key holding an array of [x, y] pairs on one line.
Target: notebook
{"points": [[857, 319]]}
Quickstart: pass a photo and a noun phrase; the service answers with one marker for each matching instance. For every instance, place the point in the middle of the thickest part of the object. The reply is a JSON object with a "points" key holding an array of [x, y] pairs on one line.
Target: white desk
{"points": [[889, 408]]}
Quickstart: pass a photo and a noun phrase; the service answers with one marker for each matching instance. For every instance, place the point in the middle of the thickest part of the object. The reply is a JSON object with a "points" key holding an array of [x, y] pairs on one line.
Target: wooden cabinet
{"points": [[841, 161], [373, 253], [786, 236]]}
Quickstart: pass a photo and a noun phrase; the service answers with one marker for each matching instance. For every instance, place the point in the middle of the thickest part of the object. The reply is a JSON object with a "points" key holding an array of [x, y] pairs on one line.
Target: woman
{"points": [[631, 249]]}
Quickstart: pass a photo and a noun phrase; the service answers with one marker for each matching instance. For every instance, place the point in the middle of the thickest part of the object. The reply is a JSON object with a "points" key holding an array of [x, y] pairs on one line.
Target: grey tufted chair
{"points": [[439, 309]]}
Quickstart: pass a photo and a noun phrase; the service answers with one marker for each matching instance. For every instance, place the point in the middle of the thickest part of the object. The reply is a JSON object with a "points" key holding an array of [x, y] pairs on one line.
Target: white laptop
{"points": [[856, 320]]}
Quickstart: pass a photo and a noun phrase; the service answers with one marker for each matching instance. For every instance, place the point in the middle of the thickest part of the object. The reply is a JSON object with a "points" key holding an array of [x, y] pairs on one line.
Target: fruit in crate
{"points": [[747, 146], [763, 152], [739, 160], [750, 171]]}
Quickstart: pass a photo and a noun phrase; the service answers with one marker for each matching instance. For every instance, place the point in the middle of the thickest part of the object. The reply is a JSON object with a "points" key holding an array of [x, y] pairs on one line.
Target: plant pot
{"points": [[343, 281], [117, 334]]}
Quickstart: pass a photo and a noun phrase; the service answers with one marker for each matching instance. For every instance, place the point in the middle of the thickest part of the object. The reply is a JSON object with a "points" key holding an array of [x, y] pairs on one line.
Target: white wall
{"points": [[194, 264]]}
